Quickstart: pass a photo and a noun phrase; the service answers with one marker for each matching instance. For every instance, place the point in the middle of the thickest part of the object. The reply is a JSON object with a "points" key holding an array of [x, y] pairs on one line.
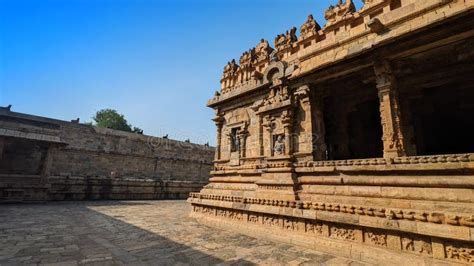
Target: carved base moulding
{"points": [[355, 242]]}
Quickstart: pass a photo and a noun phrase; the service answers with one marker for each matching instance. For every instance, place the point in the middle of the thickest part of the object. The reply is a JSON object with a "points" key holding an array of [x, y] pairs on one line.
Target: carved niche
{"points": [[279, 145], [276, 115], [236, 131]]}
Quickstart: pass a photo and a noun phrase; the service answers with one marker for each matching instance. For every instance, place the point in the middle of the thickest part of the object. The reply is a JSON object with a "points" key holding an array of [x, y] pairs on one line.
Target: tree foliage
{"points": [[109, 118]]}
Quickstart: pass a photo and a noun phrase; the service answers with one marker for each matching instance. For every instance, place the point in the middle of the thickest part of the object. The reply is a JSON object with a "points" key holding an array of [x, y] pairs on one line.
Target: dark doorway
{"points": [[365, 132], [352, 119], [444, 121]]}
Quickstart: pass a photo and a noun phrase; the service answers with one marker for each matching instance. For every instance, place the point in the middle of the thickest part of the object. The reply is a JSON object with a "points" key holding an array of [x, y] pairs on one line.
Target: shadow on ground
{"points": [[78, 232]]}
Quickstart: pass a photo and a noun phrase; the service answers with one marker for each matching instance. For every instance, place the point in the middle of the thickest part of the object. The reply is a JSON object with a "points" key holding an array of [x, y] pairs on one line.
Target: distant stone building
{"points": [[355, 138], [43, 158]]}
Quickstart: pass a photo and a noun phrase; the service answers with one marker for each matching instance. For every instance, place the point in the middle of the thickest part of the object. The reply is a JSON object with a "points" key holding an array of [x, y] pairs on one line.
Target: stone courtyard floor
{"points": [[133, 233]]}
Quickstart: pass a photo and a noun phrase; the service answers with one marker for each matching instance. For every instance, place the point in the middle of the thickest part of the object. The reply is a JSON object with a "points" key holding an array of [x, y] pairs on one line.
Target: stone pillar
{"points": [[219, 120], [260, 136], [243, 143], [268, 135], [287, 122], [306, 136], [319, 129], [393, 141]]}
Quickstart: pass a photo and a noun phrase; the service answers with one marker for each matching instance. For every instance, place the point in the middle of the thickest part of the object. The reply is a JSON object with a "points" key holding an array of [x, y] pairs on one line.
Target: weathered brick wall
{"points": [[100, 152]]}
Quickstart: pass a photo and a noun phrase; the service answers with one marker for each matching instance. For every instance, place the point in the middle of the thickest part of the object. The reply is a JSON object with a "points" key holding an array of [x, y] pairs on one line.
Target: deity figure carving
{"points": [[284, 41], [279, 146], [310, 27], [334, 13]]}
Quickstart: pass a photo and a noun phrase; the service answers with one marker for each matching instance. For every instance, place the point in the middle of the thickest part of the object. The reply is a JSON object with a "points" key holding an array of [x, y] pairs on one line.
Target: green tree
{"points": [[110, 118]]}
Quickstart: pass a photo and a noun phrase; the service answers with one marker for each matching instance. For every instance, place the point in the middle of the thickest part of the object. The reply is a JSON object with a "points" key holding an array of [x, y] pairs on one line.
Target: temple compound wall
{"points": [[354, 138], [48, 159]]}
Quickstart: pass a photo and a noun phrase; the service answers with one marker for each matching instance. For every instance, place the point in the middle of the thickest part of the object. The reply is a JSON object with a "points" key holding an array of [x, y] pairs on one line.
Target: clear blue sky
{"points": [[155, 61]]}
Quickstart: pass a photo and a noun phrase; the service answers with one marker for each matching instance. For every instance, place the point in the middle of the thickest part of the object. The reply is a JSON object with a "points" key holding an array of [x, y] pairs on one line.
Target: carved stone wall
{"points": [[318, 146]]}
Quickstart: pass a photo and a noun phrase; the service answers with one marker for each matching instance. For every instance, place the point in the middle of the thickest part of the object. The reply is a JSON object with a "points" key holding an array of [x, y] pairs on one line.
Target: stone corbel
{"points": [[376, 26], [302, 93]]}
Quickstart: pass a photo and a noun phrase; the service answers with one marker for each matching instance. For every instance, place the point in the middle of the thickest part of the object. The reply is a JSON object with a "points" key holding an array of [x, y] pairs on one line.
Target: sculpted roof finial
{"points": [[284, 41], [263, 50], [309, 28], [333, 13]]}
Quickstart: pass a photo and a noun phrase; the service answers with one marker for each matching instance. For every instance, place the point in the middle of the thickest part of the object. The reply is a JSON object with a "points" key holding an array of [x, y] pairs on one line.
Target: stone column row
{"points": [[394, 144]]}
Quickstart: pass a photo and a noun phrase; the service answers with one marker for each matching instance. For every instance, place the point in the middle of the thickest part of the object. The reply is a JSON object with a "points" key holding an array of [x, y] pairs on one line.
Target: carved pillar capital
{"points": [[303, 93], [287, 118], [267, 123]]}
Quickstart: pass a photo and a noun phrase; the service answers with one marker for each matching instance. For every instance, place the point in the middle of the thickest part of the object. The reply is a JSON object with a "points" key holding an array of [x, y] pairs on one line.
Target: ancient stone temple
{"points": [[354, 138]]}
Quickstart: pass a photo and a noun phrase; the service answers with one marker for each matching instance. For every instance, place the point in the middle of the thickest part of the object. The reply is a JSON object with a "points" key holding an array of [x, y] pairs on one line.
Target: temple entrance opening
{"points": [[352, 118], [437, 88]]}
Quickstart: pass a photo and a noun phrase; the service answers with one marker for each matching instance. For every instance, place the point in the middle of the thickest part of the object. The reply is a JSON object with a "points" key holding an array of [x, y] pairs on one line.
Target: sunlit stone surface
{"points": [[138, 233]]}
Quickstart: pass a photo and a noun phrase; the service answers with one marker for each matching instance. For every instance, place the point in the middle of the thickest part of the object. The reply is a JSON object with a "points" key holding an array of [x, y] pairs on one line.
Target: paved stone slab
{"points": [[133, 233]]}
